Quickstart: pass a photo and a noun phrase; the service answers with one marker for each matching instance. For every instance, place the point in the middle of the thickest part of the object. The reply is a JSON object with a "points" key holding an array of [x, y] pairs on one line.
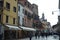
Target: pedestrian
{"points": [[30, 35], [36, 34]]}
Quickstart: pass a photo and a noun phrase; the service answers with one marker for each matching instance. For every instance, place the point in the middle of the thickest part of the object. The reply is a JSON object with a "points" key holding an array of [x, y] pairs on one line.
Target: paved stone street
{"points": [[43, 38], [53, 37]]}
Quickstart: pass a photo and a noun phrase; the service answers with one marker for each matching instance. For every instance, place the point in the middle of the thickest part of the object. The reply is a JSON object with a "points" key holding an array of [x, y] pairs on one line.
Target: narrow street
{"points": [[29, 20]]}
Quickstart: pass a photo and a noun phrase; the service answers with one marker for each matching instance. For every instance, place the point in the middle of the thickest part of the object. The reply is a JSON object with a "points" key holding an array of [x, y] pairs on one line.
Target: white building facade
{"points": [[21, 14]]}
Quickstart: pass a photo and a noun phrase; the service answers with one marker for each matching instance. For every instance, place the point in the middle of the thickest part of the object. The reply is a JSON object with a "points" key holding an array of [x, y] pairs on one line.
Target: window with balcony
{"points": [[8, 5]]}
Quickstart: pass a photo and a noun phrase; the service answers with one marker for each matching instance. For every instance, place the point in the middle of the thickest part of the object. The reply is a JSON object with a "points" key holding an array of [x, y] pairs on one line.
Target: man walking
{"points": [[30, 35]]}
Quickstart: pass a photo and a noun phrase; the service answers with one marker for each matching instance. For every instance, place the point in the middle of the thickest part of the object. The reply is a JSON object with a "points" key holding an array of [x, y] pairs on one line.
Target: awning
{"points": [[28, 29], [13, 27], [20, 28]]}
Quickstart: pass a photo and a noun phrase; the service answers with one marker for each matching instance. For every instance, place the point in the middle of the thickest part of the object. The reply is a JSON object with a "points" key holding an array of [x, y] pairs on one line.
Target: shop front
{"points": [[11, 32], [14, 32], [26, 31]]}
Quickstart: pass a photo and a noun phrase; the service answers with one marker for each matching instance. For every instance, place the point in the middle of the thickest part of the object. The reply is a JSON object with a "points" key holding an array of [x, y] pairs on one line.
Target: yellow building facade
{"points": [[10, 18], [10, 12]]}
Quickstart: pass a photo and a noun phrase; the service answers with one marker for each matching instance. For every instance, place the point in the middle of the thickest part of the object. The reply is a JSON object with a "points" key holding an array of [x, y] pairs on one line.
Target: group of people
{"points": [[37, 35]]}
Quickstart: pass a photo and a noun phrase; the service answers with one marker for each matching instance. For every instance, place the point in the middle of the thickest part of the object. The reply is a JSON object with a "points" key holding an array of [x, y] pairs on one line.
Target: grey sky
{"points": [[46, 7]]}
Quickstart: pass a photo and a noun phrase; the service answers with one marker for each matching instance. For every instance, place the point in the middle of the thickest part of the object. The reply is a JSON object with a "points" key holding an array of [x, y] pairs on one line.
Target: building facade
{"points": [[35, 9], [17, 17], [21, 14], [26, 19], [9, 18], [35, 16], [27, 13], [56, 27], [10, 10], [46, 25]]}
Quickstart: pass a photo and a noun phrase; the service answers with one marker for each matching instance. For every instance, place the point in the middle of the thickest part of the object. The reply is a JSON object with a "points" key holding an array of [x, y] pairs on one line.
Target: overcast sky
{"points": [[46, 7]]}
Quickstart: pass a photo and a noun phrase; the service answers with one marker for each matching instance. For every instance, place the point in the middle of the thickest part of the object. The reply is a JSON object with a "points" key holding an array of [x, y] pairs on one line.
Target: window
{"points": [[18, 20], [29, 16], [23, 22], [0, 17], [28, 5], [13, 20], [18, 8], [15, 0], [25, 12], [7, 5], [6, 19], [1, 4], [14, 9], [25, 3]]}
